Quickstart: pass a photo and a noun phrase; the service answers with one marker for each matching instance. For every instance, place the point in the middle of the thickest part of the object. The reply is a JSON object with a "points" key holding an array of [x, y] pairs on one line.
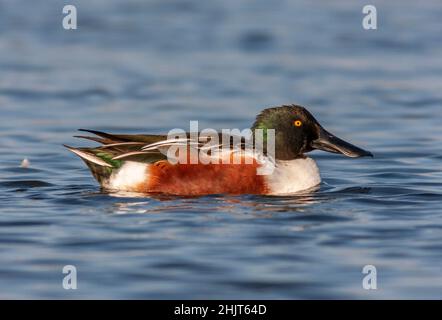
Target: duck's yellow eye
{"points": [[297, 123]]}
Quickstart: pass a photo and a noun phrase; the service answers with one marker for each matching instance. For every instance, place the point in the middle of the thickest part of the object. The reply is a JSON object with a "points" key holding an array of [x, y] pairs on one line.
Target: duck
{"points": [[142, 163]]}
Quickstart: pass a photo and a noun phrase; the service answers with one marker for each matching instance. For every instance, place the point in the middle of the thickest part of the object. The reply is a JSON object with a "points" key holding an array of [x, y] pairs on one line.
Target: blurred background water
{"points": [[149, 66]]}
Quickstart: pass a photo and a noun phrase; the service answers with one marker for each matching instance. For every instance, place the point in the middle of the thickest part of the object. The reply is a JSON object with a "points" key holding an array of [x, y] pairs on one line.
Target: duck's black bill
{"points": [[330, 143]]}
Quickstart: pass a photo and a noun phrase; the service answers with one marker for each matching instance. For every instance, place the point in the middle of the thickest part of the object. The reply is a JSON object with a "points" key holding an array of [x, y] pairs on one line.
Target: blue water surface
{"points": [[149, 66]]}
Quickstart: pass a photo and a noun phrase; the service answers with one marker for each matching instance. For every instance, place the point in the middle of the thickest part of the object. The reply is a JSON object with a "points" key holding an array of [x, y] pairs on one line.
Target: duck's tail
{"points": [[99, 162], [114, 150]]}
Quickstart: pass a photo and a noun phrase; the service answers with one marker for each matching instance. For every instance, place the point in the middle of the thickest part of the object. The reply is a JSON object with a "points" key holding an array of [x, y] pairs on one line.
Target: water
{"points": [[149, 66]]}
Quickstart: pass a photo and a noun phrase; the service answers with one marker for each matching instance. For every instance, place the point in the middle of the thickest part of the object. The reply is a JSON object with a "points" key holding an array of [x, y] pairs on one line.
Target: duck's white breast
{"points": [[292, 176]]}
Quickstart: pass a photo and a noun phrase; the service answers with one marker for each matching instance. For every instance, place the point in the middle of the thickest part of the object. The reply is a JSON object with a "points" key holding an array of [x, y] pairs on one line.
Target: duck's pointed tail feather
{"points": [[100, 164], [88, 156]]}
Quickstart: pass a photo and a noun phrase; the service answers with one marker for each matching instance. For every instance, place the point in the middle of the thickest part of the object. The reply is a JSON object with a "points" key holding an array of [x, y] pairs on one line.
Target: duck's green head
{"points": [[298, 132]]}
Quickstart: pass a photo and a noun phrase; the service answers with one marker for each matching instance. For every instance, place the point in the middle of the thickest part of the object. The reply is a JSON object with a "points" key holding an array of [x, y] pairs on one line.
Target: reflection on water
{"points": [[151, 66]]}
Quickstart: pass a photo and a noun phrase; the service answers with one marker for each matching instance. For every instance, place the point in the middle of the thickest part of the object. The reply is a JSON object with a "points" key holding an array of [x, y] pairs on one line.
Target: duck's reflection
{"points": [[249, 205]]}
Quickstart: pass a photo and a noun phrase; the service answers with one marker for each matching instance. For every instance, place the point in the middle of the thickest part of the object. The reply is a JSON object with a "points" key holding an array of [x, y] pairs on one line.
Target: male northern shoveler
{"points": [[138, 163]]}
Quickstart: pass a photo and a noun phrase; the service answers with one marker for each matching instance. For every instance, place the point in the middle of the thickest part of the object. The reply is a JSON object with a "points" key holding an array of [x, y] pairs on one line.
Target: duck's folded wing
{"points": [[127, 146], [151, 148], [109, 138]]}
